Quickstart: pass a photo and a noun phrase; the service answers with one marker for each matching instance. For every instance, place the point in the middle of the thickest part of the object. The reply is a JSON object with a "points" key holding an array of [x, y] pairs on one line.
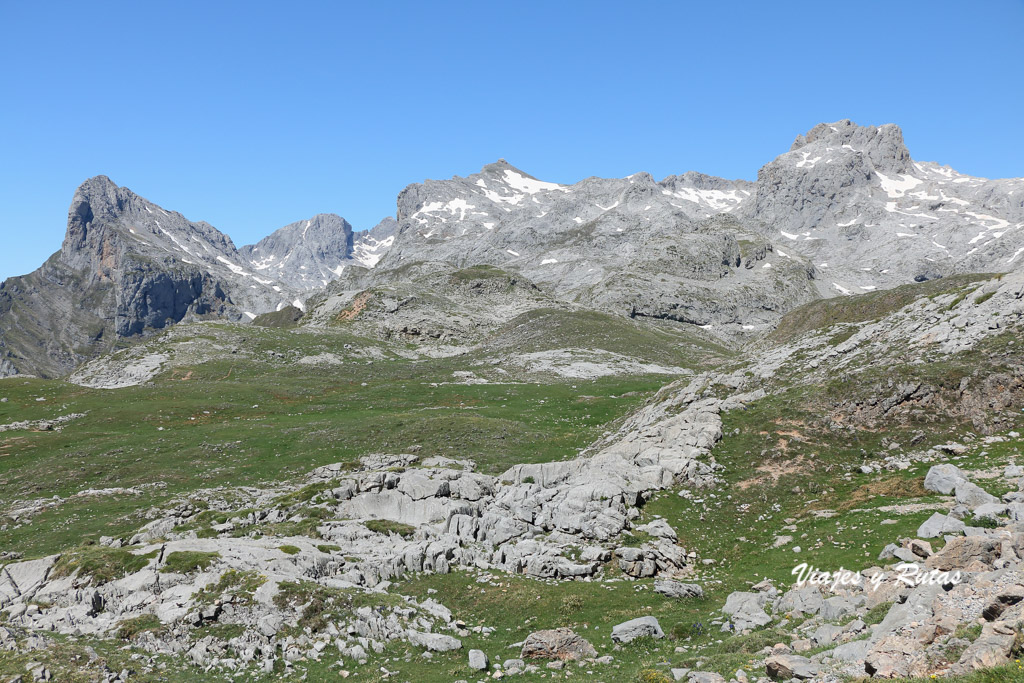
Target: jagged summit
{"points": [[883, 145], [305, 254]]}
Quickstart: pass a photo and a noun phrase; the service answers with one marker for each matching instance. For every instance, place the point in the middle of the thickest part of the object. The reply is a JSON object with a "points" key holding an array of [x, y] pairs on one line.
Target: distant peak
{"points": [[882, 144], [97, 197], [98, 185], [846, 130], [99, 180], [499, 167], [328, 218]]}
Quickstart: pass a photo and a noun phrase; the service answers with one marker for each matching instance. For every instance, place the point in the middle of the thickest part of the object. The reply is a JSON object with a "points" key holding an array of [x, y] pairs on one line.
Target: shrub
{"points": [[571, 604], [386, 526], [877, 613], [985, 522], [289, 549]]}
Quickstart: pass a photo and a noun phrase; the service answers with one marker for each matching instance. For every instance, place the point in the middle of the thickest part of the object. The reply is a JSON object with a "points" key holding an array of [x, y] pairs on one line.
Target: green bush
{"points": [[985, 522], [386, 526]]}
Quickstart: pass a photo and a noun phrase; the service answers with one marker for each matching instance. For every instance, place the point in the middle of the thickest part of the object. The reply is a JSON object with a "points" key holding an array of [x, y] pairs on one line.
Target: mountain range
{"points": [[846, 210]]}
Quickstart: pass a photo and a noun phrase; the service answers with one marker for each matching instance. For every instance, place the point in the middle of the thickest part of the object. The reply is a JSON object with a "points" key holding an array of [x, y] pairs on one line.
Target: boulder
{"points": [[839, 606], [677, 589], [513, 665], [952, 448], [786, 667], [746, 610], [559, 643], [661, 529], [853, 651], [269, 625], [435, 642], [478, 660], [938, 525], [155, 529], [943, 478], [419, 486], [922, 549], [23, 579], [805, 600], [826, 634], [964, 551], [973, 495], [991, 511], [1005, 597], [641, 627], [896, 657], [992, 648], [705, 677]]}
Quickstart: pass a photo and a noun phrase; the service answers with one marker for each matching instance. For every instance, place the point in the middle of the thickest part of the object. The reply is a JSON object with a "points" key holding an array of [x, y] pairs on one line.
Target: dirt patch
{"points": [[357, 307], [774, 470], [893, 487]]}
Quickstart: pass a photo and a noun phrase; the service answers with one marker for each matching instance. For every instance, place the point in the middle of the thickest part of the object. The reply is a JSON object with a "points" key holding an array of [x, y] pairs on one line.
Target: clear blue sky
{"points": [[253, 115]]}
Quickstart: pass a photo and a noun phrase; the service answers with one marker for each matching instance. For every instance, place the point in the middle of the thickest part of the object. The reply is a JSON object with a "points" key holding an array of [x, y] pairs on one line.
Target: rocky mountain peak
{"points": [[498, 167], [882, 145], [96, 199], [305, 254]]}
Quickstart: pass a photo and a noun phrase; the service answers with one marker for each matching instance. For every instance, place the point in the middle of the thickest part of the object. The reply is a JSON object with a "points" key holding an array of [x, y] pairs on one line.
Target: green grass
{"points": [[187, 561], [133, 627], [868, 307], [253, 421], [984, 297], [386, 526], [548, 328], [241, 585], [481, 272], [100, 563], [289, 549], [287, 317]]}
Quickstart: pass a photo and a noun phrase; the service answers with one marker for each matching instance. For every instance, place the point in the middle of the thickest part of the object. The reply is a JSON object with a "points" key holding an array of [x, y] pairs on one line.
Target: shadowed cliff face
{"points": [[124, 269], [128, 267]]}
